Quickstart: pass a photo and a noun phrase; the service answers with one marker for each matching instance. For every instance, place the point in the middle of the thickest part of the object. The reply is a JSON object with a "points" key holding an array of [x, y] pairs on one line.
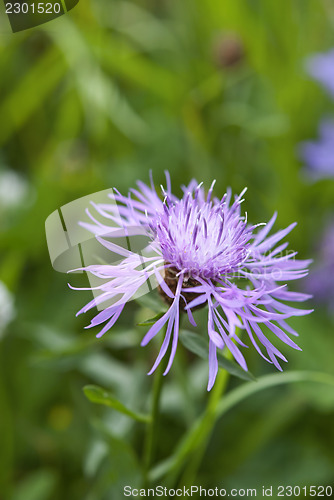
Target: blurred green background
{"points": [[95, 99]]}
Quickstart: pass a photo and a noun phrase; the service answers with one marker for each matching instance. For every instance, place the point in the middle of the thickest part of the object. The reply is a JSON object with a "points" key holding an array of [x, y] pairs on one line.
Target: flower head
{"points": [[321, 68], [320, 281], [319, 155], [201, 252]]}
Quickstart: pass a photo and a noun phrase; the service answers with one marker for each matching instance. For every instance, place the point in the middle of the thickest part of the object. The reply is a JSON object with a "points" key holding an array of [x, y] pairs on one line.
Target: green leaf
{"points": [[22, 102], [190, 440], [151, 321], [151, 301], [97, 452], [268, 381], [38, 485], [98, 395], [197, 344], [119, 466], [234, 369]]}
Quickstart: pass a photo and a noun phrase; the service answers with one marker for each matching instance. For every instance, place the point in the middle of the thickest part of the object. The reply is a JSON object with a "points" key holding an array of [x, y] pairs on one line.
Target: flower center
{"points": [[171, 280], [201, 239]]}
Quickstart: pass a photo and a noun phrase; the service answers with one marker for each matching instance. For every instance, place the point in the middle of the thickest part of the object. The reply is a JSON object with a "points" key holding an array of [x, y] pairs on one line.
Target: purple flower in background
{"points": [[320, 281], [319, 155], [202, 251], [321, 68]]}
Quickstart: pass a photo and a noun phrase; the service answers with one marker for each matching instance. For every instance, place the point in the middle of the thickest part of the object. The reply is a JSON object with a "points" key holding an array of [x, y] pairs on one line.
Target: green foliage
{"points": [[198, 345], [151, 321], [100, 396], [93, 100]]}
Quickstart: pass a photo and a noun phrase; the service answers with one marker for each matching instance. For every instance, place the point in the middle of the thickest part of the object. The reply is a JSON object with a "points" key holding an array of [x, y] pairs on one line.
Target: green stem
{"points": [[6, 431], [192, 438], [208, 421], [152, 427], [192, 449], [179, 367]]}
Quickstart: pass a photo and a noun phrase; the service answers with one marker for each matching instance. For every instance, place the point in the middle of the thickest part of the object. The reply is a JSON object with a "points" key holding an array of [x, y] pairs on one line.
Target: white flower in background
{"points": [[7, 310], [13, 188]]}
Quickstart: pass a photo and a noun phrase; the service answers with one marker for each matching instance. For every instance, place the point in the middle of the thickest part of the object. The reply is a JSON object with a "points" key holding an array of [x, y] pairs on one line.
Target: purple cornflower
{"points": [[202, 251], [319, 155], [321, 68], [320, 281]]}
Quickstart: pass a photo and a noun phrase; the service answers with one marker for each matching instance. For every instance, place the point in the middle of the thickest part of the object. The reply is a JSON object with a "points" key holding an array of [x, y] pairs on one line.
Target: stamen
{"points": [[210, 191], [205, 229], [151, 180], [188, 217], [241, 195], [168, 181], [195, 232], [221, 228], [197, 190]]}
